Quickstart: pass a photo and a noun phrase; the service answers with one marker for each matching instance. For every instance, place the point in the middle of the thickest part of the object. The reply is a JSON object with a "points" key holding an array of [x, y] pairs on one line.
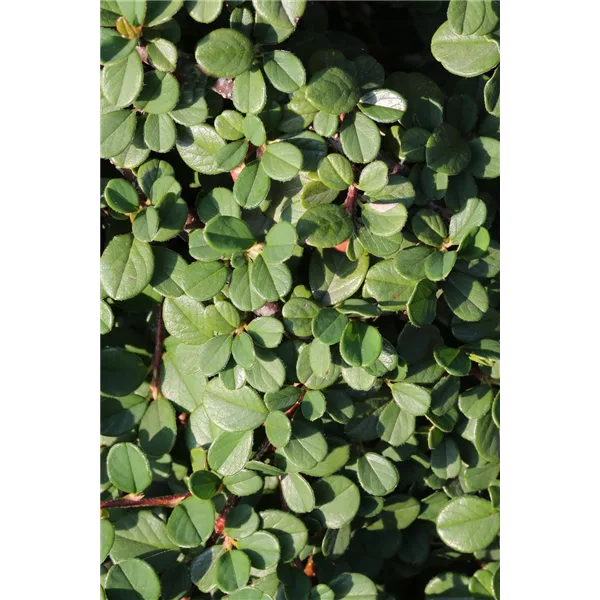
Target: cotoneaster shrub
{"points": [[299, 300]]}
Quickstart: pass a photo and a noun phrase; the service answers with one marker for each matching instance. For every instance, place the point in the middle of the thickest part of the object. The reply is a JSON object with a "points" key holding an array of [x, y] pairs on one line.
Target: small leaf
{"points": [[468, 524], [361, 344], [158, 428], [132, 577], [376, 474], [284, 70], [324, 226], [191, 522], [128, 468], [204, 484], [228, 234], [278, 428], [412, 398], [360, 138], [224, 53], [281, 161], [230, 451]]}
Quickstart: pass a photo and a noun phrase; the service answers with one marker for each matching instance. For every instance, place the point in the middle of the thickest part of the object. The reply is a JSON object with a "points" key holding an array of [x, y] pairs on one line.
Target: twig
{"points": [[158, 346], [138, 502], [221, 520], [350, 200]]}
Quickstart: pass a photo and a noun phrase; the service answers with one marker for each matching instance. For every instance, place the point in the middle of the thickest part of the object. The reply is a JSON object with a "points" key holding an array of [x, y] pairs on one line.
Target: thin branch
{"points": [[158, 348], [139, 502], [350, 200]]}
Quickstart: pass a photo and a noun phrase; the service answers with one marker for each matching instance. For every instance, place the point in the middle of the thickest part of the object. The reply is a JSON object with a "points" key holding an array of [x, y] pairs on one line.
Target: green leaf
{"points": [[280, 13], [218, 201], [360, 138], [410, 262], [119, 415], [448, 586], [204, 280], [230, 125], [465, 296], [491, 94], [333, 90], [325, 124], [324, 226], [107, 538], [473, 18], [204, 566], [307, 445], [121, 196], [243, 483], [376, 474], [204, 11], [234, 410], [159, 132], [337, 500], [289, 530], [279, 243], [121, 372], [214, 354], [333, 277], [252, 185], [231, 156], [132, 578], [485, 158], [230, 452], [117, 129], [446, 150], [281, 161], [445, 459], [429, 227], [162, 54], [249, 91], [122, 82], [453, 360], [464, 55], [159, 94], [184, 319], [254, 130], [284, 70], [191, 522], [374, 177], [335, 172], [241, 292], [421, 306], [387, 286], [128, 468], [472, 214], [242, 350], [487, 438], [468, 524], [161, 11], [278, 428], [267, 374], [262, 548], [319, 358], [232, 570], [361, 344], [224, 53], [353, 585], [297, 493], [383, 106], [241, 522], [113, 47], [328, 326], [439, 264], [204, 484], [228, 234], [411, 398], [198, 146], [384, 218], [158, 428]]}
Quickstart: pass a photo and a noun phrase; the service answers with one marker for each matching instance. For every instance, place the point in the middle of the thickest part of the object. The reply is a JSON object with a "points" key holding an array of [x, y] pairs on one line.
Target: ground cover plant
{"points": [[300, 375]]}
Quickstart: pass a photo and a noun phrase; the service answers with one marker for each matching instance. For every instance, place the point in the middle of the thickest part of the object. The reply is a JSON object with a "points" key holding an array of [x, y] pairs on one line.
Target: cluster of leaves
{"points": [[299, 305]]}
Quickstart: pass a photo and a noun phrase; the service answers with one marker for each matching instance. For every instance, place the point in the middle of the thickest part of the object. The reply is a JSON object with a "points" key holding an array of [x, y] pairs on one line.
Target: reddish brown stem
{"points": [[350, 200], [168, 501], [158, 346]]}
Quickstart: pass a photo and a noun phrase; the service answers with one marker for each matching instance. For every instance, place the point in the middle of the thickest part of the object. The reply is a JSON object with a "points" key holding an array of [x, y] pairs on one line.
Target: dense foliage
{"points": [[299, 300]]}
